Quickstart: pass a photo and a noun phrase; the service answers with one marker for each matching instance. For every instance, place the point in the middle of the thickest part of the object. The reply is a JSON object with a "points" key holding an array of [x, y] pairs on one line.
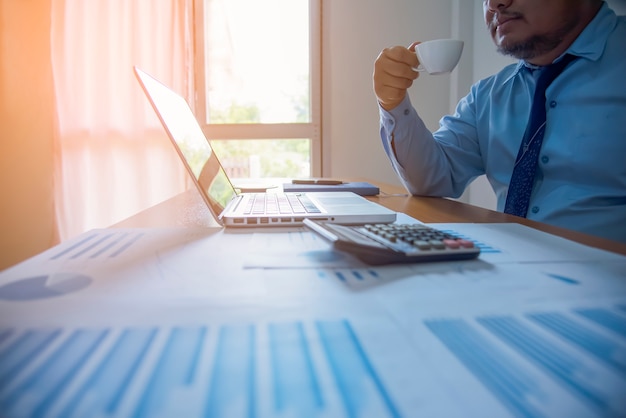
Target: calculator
{"points": [[378, 244]]}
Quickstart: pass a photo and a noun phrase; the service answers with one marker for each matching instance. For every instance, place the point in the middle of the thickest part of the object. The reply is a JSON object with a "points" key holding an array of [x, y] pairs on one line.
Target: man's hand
{"points": [[394, 74]]}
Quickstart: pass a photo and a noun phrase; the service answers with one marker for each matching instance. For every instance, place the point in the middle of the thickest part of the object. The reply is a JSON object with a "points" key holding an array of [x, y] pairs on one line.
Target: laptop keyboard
{"points": [[279, 204]]}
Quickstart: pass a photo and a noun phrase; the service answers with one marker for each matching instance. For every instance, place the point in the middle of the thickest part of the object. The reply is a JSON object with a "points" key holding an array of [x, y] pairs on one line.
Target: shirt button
{"points": [[535, 209], [553, 104], [545, 159], [406, 112]]}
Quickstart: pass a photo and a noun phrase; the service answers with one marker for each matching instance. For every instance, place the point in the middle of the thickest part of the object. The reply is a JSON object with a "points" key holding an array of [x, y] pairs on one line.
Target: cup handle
{"points": [[420, 68]]}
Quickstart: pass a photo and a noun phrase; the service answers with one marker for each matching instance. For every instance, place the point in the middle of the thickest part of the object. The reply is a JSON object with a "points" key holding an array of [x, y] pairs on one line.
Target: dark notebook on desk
{"points": [[359, 187], [247, 209]]}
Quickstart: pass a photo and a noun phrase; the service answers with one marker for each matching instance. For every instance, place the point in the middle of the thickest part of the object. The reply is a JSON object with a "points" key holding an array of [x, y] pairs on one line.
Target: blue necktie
{"points": [[523, 177]]}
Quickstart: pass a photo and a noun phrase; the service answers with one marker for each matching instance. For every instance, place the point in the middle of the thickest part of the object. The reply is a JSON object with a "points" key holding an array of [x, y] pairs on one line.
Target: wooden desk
{"points": [[188, 209]]}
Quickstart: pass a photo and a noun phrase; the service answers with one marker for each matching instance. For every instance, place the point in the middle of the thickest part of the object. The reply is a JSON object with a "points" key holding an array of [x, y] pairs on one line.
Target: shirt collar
{"points": [[590, 43]]}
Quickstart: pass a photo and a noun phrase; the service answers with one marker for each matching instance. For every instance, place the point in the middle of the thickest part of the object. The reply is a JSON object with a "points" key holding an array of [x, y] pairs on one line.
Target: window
{"points": [[258, 85]]}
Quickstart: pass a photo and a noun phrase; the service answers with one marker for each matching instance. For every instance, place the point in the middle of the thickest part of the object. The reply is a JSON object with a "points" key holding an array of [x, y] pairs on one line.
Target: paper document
{"points": [[188, 322]]}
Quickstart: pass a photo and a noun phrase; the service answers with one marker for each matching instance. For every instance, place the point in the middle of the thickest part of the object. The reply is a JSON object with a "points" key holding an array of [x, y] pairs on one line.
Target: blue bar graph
{"points": [[363, 276], [606, 319], [563, 279], [565, 368], [40, 389], [96, 244], [102, 372], [176, 368], [92, 246], [109, 245], [498, 372], [5, 333], [374, 274], [127, 245], [584, 337], [106, 386], [351, 368], [296, 386], [233, 374], [21, 351], [74, 246]]}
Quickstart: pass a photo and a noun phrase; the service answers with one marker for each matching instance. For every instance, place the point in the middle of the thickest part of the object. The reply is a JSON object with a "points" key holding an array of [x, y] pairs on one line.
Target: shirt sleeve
{"points": [[442, 163]]}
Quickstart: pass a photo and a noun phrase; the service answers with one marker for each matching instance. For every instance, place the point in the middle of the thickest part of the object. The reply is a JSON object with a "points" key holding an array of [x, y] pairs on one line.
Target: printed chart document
{"points": [[209, 322]]}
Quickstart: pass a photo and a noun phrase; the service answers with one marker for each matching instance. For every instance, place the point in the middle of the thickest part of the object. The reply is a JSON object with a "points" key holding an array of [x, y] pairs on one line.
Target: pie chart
{"points": [[44, 286]]}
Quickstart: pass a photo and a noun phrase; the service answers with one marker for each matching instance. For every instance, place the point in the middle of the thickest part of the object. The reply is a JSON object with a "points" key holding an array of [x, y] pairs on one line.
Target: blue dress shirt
{"points": [[581, 174]]}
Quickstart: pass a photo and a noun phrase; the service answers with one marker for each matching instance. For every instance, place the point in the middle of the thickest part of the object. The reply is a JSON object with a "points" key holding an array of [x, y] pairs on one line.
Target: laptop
{"points": [[231, 208]]}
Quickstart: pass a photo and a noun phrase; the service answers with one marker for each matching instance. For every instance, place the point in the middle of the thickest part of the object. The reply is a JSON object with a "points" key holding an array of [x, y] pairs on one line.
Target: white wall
{"points": [[619, 6], [355, 31]]}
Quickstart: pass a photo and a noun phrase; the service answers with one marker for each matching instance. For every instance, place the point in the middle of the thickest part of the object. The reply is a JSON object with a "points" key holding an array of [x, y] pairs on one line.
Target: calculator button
{"points": [[393, 238], [422, 245], [452, 243], [437, 244], [466, 243]]}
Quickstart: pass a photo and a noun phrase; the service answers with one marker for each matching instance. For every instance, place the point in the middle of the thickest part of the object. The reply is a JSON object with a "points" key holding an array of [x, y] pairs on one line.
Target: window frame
{"points": [[311, 130]]}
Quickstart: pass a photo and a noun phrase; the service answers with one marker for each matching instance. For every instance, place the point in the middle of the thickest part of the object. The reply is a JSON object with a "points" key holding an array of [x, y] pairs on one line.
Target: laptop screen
{"points": [[186, 134]]}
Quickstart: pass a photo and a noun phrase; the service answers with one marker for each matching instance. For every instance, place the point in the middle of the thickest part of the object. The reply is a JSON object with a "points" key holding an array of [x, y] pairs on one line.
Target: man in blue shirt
{"points": [[580, 180]]}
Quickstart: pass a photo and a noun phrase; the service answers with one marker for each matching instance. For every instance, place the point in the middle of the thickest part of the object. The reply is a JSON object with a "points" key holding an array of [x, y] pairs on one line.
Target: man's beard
{"points": [[538, 44], [531, 48]]}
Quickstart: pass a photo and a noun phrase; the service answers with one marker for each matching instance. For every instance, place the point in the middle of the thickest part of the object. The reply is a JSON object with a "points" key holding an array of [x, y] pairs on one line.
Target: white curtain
{"points": [[112, 156]]}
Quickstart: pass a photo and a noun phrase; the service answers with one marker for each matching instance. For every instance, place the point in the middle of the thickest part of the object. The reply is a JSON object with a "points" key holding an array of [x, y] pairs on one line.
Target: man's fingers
{"points": [[399, 70], [402, 55], [393, 75], [396, 62]]}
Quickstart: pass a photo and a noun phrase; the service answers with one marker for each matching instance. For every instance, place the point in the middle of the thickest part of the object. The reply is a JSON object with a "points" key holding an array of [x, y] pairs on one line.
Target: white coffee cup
{"points": [[438, 56]]}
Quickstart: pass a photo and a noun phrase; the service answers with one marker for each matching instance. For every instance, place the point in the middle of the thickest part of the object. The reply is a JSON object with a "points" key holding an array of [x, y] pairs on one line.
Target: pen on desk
{"points": [[326, 182]]}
